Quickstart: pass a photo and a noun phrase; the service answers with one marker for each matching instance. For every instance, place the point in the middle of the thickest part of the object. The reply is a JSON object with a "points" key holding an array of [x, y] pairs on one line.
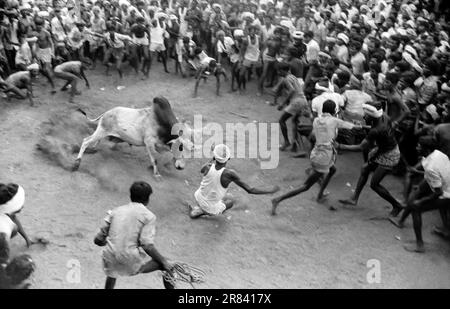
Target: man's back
{"points": [[131, 226]]}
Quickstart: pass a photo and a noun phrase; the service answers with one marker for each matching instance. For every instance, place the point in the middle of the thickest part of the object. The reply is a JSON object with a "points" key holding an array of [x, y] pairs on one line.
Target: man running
{"points": [[211, 195], [128, 236], [323, 155], [432, 193], [382, 158], [295, 103]]}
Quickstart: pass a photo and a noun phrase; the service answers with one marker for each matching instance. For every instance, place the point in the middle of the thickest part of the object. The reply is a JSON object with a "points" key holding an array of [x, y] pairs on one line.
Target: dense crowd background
{"points": [[380, 65]]}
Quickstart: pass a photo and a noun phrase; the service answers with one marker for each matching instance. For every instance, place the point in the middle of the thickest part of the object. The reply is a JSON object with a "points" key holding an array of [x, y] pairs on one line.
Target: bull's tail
{"points": [[90, 120]]}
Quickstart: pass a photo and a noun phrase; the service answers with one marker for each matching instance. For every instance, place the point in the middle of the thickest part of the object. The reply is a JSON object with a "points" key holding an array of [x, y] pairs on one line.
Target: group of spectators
{"points": [[381, 66]]}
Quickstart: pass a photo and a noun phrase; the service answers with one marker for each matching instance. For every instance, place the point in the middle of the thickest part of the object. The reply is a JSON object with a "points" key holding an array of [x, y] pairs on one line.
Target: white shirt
{"points": [[437, 172], [7, 226], [312, 51], [317, 102]]}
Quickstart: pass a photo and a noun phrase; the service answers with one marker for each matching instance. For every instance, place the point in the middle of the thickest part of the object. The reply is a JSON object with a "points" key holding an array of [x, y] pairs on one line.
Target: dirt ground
{"points": [[305, 246]]}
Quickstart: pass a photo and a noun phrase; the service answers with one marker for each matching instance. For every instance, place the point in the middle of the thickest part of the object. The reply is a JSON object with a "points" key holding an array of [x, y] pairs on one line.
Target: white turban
{"points": [[238, 32], [432, 110], [246, 15], [298, 35], [343, 37], [222, 153], [15, 204], [410, 50], [33, 66]]}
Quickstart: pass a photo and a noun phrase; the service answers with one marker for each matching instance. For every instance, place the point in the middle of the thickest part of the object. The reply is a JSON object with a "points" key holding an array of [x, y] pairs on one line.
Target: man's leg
{"points": [[325, 183], [46, 71], [282, 121], [363, 177], [422, 190], [16, 93], [376, 186], [110, 283], [263, 78], [312, 179], [295, 123], [417, 222]]}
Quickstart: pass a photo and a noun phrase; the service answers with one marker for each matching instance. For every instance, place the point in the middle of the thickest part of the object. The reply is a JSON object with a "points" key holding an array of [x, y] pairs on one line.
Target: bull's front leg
{"points": [[150, 146]]}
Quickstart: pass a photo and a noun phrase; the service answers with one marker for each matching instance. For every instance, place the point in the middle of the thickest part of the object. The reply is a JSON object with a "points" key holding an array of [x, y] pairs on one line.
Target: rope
{"points": [[185, 273]]}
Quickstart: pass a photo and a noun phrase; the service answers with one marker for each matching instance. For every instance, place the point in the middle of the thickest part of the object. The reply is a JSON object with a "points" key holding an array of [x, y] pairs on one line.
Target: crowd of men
{"points": [[352, 75]]}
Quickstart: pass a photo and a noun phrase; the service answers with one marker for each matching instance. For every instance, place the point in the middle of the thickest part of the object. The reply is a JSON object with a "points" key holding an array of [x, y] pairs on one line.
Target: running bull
{"points": [[151, 127]]}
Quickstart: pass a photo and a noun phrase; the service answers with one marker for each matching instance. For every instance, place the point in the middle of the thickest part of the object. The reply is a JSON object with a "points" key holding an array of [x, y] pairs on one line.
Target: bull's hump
{"points": [[165, 119]]}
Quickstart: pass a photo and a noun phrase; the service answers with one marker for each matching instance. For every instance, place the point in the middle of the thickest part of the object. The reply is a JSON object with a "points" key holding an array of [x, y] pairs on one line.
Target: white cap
{"points": [[33, 66], [15, 204], [343, 37], [238, 32], [222, 153], [298, 35]]}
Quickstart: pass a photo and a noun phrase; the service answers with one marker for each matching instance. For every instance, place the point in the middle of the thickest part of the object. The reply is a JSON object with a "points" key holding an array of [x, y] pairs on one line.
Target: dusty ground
{"points": [[305, 246]]}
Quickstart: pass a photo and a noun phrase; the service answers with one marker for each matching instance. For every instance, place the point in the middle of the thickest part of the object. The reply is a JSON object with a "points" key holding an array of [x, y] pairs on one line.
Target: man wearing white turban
{"points": [[19, 84], [382, 157], [211, 196], [12, 200]]}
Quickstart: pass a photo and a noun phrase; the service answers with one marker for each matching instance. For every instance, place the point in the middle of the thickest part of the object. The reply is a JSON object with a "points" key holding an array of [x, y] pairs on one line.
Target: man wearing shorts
{"points": [[294, 105], [211, 195]]}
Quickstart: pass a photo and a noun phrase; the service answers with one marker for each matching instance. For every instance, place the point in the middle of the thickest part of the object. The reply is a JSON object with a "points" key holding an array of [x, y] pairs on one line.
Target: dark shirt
{"points": [[138, 30], [383, 136]]}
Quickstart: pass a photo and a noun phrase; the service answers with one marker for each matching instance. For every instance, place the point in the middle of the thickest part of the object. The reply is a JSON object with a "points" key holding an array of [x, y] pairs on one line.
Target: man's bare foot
{"points": [[322, 198], [418, 248], [396, 222], [275, 203], [349, 202]]}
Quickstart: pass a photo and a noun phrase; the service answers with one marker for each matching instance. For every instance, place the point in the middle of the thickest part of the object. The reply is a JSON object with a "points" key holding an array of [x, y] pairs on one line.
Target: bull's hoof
{"points": [[76, 165]]}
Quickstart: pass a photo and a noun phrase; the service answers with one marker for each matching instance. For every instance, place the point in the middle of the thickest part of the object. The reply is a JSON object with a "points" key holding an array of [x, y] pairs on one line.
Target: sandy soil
{"points": [[305, 246]]}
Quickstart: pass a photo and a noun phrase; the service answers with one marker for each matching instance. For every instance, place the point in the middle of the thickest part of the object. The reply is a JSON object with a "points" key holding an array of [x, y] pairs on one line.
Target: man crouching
{"points": [[211, 197], [128, 235]]}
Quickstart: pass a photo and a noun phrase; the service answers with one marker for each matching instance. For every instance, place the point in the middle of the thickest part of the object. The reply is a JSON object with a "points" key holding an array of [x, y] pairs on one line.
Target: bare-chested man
{"points": [[44, 51], [18, 84], [270, 53], [70, 72]]}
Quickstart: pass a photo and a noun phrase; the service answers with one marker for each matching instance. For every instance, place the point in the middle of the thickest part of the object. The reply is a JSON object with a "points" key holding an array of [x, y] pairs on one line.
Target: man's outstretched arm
{"points": [[234, 177]]}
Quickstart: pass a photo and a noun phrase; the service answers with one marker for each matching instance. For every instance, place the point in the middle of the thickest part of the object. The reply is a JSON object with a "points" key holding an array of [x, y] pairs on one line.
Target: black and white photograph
{"points": [[246, 146]]}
